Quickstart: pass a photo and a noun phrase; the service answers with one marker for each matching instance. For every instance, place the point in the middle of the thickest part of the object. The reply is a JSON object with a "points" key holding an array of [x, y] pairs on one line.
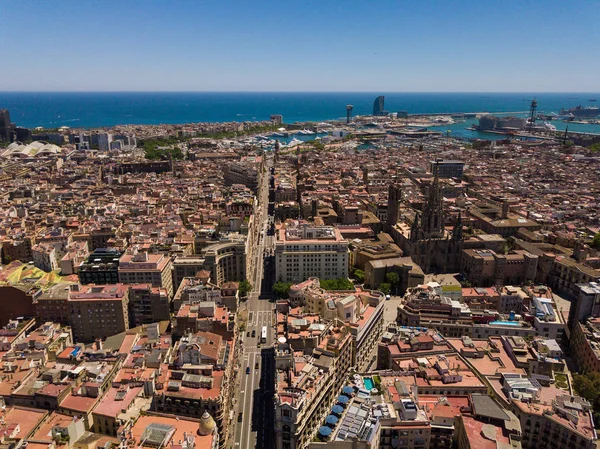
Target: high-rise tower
{"points": [[6, 126], [349, 113], [378, 106]]}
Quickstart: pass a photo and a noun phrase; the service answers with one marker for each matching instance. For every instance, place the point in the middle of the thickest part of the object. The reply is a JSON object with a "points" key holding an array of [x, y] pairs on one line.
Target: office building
{"points": [[303, 250]]}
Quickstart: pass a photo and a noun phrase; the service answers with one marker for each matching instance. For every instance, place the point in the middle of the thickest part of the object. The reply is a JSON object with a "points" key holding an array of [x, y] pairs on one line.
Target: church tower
{"points": [[394, 197], [432, 222], [457, 233]]}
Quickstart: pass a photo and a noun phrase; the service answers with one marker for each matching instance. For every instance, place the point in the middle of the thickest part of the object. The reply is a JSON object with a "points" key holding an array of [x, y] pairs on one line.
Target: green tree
{"points": [[359, 275], [588, 386], [282, 289], [244, 288], [336, 284], [595, 146], [385, 288], [596, 241], [393, 279]]}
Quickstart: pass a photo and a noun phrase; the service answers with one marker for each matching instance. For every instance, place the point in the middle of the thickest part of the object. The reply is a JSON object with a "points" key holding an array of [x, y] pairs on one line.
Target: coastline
{"points": [[107, 109]]}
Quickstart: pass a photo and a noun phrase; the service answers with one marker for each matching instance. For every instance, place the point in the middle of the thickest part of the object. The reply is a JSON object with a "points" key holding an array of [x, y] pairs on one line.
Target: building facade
{"points": [[303, 250], [140, 267]]}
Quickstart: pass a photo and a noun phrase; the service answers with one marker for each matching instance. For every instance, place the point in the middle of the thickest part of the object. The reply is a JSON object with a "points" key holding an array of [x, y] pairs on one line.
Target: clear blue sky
{"points": [[308, 45]]}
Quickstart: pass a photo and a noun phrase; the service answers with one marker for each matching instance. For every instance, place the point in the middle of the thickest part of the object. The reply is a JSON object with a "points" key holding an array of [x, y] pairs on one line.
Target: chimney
{"points": [[504, 209], [580, 252]]}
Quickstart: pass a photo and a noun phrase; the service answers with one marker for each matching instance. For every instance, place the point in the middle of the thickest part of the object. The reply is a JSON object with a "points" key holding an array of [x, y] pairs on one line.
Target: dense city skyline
{"points": [[299, 225]]}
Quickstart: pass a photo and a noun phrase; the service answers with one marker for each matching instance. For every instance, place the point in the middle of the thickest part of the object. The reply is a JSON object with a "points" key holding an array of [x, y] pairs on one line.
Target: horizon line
{"points": [[286, 92]]}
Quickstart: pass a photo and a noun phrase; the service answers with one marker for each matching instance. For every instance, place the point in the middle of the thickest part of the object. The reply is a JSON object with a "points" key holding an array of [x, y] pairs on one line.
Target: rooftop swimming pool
{"points": [[505, 323], [369, 385]]}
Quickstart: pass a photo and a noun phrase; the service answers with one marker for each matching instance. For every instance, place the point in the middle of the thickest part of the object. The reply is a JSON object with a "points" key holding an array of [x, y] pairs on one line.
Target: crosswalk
{"points": [[260, 318]]}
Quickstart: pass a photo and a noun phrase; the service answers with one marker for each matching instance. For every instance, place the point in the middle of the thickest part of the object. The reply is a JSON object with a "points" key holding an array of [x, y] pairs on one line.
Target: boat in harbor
{"points": [[582, 111], [294, 143]]}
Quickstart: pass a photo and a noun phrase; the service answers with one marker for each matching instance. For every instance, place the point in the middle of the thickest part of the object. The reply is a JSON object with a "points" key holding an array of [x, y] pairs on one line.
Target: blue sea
{"points": [[98, 109]]}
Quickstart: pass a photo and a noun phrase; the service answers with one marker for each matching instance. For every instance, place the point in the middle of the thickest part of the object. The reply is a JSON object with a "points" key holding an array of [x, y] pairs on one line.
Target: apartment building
{"points": [[586, 304], [148, 304], [185, 267], [92, 311], [303, 250], [44, 257], [140, 267], [101, 267], [226, 260], [360, 310], [567, 422], [485, 267], [241, 173], [585, 345], [307, 387]]}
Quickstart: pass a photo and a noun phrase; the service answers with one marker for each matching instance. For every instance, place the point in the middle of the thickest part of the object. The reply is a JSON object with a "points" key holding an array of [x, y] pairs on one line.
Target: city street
{"points": [[255, 396]]}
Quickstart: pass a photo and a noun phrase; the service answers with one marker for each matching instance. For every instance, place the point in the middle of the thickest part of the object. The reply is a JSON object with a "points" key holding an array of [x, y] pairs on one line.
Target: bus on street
{"points": [[263, 335]]}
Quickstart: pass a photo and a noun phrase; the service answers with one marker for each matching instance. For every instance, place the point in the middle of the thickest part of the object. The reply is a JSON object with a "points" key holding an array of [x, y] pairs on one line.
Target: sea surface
{"points": [[100, 109]]}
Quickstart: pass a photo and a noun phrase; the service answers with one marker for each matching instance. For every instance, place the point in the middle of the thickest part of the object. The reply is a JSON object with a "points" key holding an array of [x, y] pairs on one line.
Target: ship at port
{"points": [[582, 111]]}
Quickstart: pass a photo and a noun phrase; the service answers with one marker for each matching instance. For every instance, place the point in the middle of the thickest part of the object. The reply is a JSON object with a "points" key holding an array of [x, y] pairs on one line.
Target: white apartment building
{"points": [[44, 257], [303, 250]]}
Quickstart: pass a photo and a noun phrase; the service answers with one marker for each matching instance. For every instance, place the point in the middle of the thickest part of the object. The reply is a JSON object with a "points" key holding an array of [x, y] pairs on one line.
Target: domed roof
{"points": [[207, 424]]}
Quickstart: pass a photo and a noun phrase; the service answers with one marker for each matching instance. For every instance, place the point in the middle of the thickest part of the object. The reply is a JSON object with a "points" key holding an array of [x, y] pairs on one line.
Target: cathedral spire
{"points": [[433, 209], [414, 229], [457, 233]]}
